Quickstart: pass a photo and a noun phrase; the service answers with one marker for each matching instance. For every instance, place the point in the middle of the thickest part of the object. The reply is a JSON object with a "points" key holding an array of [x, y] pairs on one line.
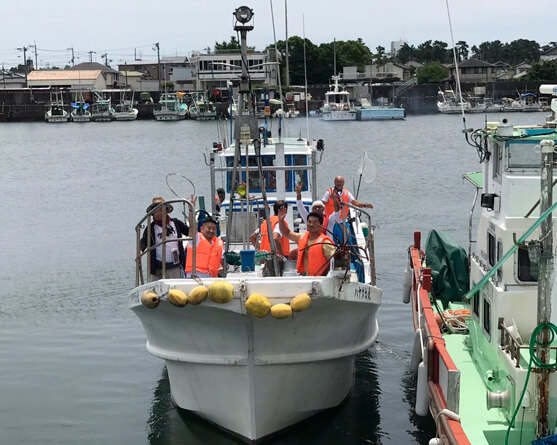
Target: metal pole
{"points": [[545, 281], [158, 65], [287, 74]]}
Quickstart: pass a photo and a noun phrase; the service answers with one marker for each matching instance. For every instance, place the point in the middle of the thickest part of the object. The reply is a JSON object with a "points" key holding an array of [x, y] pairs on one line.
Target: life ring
{"points": [[333, 107], [346, 107]]}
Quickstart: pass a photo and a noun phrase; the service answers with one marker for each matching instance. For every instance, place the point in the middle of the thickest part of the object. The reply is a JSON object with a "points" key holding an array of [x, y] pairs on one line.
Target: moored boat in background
{"points": [[482, 318], [337, 105], [171, 108], [56, 112], [448, 103]]}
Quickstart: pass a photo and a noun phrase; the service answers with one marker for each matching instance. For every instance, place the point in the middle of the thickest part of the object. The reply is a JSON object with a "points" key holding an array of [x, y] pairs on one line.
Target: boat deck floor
{"points": [[482, 426]]}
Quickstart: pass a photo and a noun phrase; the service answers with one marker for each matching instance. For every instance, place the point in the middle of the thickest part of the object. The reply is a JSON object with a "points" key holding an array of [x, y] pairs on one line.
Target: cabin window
{"points": [[491, 252], [528, 267], [292, 175], [476, 303], [486, 316], [522, 155]]}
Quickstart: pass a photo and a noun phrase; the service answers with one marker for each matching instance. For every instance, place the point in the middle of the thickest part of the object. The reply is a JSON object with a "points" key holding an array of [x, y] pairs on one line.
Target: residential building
{"points": [[69, 79], [550, 54], [10, 80], [474, 70], [216, 69]]}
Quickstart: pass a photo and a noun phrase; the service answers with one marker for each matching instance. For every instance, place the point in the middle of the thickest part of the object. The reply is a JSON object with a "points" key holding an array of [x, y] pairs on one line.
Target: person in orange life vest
{"points": [[314, 249], [344, 195], [317, 207], [283, 245], [208, 251], [175, 231], [219, 198]]}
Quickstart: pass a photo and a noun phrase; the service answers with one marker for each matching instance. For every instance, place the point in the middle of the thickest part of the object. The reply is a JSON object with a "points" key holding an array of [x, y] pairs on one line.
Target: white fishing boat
{"points": [[56, 112], [448, 103], [248, 372], [80, 109], [101, 110], [171, 108], [484, 325], [337, 105], [124, 110], [201, 108], [525, 102]]}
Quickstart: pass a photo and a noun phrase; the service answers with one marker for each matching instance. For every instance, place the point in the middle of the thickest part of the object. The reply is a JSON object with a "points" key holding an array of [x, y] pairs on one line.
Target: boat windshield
{"points": [[291, 176], [523, 155]]}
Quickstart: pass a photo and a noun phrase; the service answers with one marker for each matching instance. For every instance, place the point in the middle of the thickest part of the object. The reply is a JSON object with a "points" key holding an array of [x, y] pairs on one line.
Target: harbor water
{"points": [[72, 355]]}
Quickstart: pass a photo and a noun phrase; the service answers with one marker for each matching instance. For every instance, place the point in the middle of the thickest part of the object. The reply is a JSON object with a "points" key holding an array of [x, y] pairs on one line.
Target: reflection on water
{"points": [[356, 420], [425, 426]]}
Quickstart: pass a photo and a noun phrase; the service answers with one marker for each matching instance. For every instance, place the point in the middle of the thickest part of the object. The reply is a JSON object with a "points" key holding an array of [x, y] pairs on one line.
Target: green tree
{"points": [[380, 57], [545, 70], [522, 50], [405, 53], [431, 73], [461, 50], [233, 46], [439, 52], [424, 52]]}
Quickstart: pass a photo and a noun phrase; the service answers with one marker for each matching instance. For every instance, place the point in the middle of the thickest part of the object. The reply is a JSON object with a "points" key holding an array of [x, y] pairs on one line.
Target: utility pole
{"points": [[73, 58], [36, 62], [91, 56], [158, 64], [24, 49], [287, 76]]}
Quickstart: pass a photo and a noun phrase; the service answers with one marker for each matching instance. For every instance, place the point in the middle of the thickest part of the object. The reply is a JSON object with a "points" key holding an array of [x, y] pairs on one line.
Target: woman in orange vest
{"points": [[314, 249], [281, 242], [208, 251], [344, 196]]}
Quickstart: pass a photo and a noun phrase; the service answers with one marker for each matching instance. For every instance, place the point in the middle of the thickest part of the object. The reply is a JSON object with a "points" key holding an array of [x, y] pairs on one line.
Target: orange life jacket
{"points": [[208, 255], [265, 245], [330, 206], [316, 257]]}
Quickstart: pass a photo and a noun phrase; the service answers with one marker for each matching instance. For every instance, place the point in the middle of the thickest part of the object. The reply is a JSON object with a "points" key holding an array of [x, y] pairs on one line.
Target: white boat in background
{"points": [[101, 110], [254, 375], [448, 103], [337, 105], [526, 102], [56, 112], [171, 108], [201, 108], [124, 110], [80, 109]]}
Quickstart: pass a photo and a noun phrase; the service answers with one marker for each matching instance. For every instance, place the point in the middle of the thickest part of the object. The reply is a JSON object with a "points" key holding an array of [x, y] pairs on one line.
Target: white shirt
{"points": [[170, 246], [333, 217]]}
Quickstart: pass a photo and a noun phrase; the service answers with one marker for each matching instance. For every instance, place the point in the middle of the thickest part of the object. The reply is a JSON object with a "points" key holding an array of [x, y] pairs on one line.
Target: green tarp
{"points": [[449, 267]]}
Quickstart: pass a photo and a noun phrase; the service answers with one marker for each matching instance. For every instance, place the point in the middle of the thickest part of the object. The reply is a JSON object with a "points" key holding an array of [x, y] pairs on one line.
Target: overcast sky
{"points": [[123, 29]]}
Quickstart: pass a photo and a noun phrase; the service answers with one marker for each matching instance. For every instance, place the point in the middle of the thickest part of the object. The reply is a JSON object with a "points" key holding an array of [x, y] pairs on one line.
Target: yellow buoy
{"points": [[281, 311], [177, 297], [221, 291], [197, 294], [300, 302], [258, 305], [150, 299]]}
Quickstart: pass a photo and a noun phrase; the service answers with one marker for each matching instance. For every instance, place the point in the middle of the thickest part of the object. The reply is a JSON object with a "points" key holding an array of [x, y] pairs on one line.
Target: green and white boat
{"points": [[484, 344]]}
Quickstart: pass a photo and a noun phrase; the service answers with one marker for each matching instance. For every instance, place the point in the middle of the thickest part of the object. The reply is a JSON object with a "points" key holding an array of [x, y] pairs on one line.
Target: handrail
{"points": [[509, 252], [150, 248], [370, 241]]}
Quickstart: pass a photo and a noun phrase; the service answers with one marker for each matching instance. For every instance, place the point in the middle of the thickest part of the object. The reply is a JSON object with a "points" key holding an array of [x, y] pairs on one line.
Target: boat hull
{"points": [[339, 115], [380, 113], [256, 376], [169, 116]]}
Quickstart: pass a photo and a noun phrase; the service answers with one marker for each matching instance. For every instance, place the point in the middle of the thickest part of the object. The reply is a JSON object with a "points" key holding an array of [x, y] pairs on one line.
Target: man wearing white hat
{"points": [[317, 207]]}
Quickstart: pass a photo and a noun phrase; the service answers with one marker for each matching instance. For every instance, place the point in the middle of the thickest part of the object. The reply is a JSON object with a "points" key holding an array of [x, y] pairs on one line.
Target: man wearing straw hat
{"points": [[175, 230]]}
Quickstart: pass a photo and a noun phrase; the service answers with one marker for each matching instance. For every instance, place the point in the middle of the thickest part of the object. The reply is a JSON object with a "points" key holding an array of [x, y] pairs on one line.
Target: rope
{"points": [[539, 364]]}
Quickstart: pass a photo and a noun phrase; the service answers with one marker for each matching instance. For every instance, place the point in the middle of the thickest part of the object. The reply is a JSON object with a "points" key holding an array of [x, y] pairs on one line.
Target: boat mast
{"points": [[545, 281], [246, 131]]}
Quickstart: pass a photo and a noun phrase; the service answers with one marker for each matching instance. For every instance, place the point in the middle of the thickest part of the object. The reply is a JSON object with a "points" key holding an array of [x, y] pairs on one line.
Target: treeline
{"points": [[356, 53]]}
